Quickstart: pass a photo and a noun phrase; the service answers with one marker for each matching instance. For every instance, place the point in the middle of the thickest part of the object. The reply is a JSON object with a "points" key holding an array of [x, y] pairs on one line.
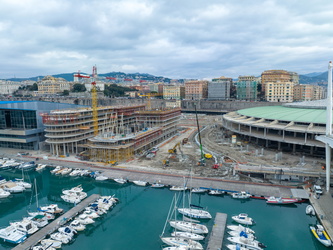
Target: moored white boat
{"points": [[67, 230], [241, 195], [157, 185], [178, 188], [140, 183], [66, 171], [75, 224], [52, 209], [51, 243], [236, 247], [177, 241], [215, 192], [310, 210], [27, 165], [280, 201], [243, 219], [84, 219], [239, 228], [26, 226], [187, 235], [74, 198], [56, 169], [40, 167], [198, 190], [12, 187], [12, 234], [101, 177], [319, 232], [65, 239], [120, 180], [75, 172], [247, 243], [40, 247], [189, 226], [39, 220], [22, 183], [242, 233], [195, 213], [3, 193]]}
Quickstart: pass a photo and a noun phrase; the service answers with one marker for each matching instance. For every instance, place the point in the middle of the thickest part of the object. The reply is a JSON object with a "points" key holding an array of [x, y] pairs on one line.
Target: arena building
{"points": [[291, 127]]}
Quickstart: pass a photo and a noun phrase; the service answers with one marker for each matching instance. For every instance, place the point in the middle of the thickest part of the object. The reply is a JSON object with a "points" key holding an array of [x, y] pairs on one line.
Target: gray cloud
{"points": [[176, 39]]}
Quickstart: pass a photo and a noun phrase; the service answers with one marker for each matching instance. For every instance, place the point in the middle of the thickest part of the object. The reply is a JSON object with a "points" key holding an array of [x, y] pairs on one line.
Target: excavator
{"points": [[174, 149]]}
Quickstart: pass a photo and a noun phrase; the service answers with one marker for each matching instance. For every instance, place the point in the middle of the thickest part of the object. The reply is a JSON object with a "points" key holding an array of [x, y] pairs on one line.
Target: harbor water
{"points": [[137, 221]]}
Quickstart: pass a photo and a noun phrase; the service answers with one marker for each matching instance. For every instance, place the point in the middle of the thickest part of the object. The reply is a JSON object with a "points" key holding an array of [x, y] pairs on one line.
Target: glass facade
{"points": [[18, 145], [18, 119]]}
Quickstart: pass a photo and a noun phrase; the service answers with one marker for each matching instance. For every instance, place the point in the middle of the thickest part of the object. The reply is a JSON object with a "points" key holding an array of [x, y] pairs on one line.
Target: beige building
{"points": [[278, 76], [279, 91], [52, 85], [306, 92], [9, 87], [196, 90], [173, 92]]}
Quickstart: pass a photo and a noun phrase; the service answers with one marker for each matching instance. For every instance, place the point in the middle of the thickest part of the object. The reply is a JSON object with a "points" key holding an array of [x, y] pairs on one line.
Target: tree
{"points": [[115, 90], [78, 87], [65, 93]]}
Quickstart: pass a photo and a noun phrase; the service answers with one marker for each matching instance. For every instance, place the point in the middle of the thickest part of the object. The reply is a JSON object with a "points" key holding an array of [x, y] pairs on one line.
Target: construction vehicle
{"points": [[174, 149], [165, 163], [185, 140], [208, 156]]}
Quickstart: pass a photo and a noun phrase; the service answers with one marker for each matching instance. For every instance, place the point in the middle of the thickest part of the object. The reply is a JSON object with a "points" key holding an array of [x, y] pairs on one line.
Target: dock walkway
{"points": [[54, 225], [216, 236]]}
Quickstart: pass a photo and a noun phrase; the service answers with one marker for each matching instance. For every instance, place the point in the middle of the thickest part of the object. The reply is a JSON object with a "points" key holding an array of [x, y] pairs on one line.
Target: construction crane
{"points": [[94, 100], [174, 149]]}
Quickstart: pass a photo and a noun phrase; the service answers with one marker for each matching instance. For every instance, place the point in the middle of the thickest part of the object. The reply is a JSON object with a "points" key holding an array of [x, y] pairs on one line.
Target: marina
{"points": [[54, 225], [152, 205], [216, 237]]}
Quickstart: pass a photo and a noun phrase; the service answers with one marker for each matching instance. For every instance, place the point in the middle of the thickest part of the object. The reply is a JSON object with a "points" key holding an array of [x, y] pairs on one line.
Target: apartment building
{"points": [[279, 91], [306, 92], [247, 88], [9, 87], [219, 88], [173, 92], [52, 85], [196, 90]]}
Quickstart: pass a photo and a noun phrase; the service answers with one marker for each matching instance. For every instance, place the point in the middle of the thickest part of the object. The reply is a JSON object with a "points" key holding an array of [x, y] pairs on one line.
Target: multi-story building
{"points": [[196, 90], [100, 86], [21, 125], [247, 88], [122, 131], [306, 92], [9, 87], [156, 87], [219, 88], [173, 92], [279, 91], [52, 85]]}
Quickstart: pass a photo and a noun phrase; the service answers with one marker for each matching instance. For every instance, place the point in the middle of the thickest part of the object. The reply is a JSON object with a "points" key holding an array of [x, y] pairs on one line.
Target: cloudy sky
{"points": [[171, 38]]}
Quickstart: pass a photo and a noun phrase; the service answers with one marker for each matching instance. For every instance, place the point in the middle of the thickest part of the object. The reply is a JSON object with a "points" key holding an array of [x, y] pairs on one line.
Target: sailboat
{"points": [[194, 211], [177, 240], [40, 213]]}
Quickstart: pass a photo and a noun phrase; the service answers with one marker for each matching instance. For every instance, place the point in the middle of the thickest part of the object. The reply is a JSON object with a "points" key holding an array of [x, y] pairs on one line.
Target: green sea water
{"points": [[137, 221]]}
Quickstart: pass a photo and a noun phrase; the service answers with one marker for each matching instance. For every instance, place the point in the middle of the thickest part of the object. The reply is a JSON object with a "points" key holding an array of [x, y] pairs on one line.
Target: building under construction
{"points": [[122, 131]]}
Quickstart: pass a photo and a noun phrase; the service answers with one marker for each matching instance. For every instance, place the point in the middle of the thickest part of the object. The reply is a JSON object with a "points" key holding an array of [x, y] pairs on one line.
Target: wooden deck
{"points": [[54, 225], [216, 236]]}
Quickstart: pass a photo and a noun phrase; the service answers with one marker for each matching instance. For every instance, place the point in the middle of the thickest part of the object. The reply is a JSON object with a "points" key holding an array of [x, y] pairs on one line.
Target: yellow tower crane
{"points": [[149, 95], [94, 100]]}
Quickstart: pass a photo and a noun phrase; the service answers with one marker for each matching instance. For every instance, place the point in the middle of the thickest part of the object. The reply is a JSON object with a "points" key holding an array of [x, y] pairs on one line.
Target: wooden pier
{"points": [[54, 225], [216, 236]]}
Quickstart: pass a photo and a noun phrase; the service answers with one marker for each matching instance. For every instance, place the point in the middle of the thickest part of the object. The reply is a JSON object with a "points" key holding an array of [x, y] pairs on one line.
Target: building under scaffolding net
{"points": [[121, 143], [122, 131]]}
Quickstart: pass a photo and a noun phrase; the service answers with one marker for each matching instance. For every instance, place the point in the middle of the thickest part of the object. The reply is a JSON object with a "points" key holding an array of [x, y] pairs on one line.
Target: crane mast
{"points": [[94, 100]]}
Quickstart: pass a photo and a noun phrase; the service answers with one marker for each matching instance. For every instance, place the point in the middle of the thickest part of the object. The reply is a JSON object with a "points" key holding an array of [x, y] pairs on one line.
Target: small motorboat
{"points": [[52, 209], [140, 183], [63, 238], [240, 228], [242, 233], [243, 219], [85, 172], [27, 165], [26, 226], [247, 243], [47, 215], [75, 172], [198, 190], [84, 219], [101, 177], [66, 171], [308, 210], [236, 247], [120, 180], [40, 167], [241, 195], [41, 247], [56, 169], [178, 188], [51, 243], [319, 232], [75, 224], [189, 226], [3, 193], [12, 234], [157, 185], [67, 230], [187, 235], [91, 213], [215, 192], [39, 220], [183, 242], [22, 183], [280, 201], [12, 187]]}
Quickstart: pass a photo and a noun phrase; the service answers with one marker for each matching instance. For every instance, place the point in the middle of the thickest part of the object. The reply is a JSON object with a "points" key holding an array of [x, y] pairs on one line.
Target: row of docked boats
{"points": [[6, 163], [17, 185], [66, 233], [63, 171]]}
